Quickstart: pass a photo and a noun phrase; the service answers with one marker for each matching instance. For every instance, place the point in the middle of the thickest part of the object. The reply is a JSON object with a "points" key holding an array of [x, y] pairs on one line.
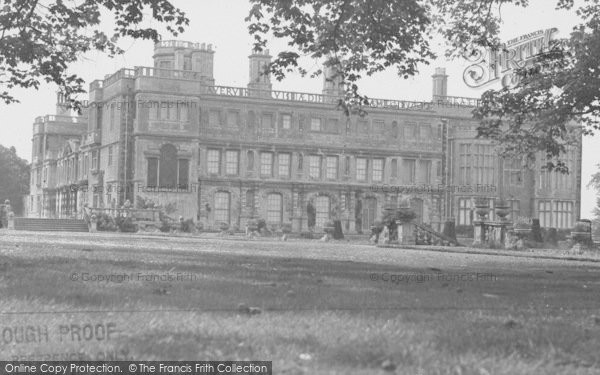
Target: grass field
{"points": [[316, 308]]}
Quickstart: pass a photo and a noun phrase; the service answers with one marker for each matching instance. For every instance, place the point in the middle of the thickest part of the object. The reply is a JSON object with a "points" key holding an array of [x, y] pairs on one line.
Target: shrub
{"points": [[187, 226], [126, 224], [105, 223]]}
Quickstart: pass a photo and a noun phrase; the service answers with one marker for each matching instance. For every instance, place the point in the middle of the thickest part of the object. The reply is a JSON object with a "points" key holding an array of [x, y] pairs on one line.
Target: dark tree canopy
{"points": [[40, 39], [14, 178]]}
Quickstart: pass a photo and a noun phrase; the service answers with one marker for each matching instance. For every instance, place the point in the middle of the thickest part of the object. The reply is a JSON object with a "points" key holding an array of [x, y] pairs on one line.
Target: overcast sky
{"points": [[222, 24]]}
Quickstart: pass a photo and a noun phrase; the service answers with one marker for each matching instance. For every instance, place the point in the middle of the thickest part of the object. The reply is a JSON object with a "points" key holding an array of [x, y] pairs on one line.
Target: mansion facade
{"points": [[169, 135]]}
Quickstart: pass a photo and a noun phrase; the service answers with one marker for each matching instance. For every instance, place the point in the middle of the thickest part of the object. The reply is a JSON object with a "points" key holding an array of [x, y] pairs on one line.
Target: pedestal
{"points": [[11, 221], [479, 236], [406, 235]]}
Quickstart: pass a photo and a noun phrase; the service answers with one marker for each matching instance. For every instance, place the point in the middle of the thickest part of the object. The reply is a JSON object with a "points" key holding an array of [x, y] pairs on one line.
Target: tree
{"points": [[362, 37], [14, 178], [39, 40], [595, 184], [558, 90]]}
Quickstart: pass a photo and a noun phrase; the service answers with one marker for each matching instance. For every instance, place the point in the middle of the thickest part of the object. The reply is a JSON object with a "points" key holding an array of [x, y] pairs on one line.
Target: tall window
{"points": [[476, 164], [250, 156], [464, 211], [95, 159], [284, 161], [394, 168], [545, 213], [515, 210], [347, 166], [408, 170], [332, 167], [377, 170], [222, 206], [425, 131], [363, 127], [314, 166], [168, 171], [274, 208], [232, 159], [213, 161], [361, 169], [333, 126], [513, 175], [183, 112], [322, 208], [183, 168], [214, 118], [233, 119], [167, 166], [110, 155], [395, 131], [286, 121], [267, 121], [250, 199], [112, 116], [315, 124], [266, 164], [412, 130], [563, 214], [424, 171]]}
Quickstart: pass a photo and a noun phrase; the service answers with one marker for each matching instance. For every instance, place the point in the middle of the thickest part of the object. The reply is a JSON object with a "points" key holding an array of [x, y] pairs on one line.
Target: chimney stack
{"points": [[440, 83], [259, 61], [332, 80]]}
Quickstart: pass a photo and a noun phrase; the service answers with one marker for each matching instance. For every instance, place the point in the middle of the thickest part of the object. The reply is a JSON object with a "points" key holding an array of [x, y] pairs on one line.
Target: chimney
{"points": [[61, 105], [259, 61], [440, 83], [332, 80]]}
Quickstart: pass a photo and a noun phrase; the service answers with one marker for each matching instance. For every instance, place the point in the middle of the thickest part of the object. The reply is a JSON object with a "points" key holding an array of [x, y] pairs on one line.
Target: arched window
{"points": [[222, 206], [274, 208], [168, 166]]}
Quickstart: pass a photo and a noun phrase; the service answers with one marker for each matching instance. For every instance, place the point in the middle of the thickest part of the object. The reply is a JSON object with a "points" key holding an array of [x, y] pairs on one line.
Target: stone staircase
{"points": [[425, 235], [51, 225]]}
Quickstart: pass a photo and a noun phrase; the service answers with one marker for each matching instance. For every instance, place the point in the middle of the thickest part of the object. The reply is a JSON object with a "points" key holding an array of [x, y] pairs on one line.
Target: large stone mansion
{"points": [[224, 154]]}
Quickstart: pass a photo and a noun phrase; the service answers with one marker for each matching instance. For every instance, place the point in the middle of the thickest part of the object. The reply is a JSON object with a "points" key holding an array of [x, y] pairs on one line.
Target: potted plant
{"points": [[223, 226]]}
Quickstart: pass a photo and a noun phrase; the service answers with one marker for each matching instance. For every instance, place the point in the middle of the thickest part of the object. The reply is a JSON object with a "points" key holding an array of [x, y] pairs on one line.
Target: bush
{"points": [[187, 226], [126, 224], [105, 223]]}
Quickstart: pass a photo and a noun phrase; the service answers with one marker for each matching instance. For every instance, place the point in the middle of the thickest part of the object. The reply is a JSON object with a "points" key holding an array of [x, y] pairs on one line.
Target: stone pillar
{"points": [[406, 234], [11, 220], [93, 223], [479, 235]]}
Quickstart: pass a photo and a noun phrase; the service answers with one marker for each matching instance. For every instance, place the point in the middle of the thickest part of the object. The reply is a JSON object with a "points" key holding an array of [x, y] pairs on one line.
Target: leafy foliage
{"points": [[39, 39], [356, 36], [14, 178], [557, 91]]}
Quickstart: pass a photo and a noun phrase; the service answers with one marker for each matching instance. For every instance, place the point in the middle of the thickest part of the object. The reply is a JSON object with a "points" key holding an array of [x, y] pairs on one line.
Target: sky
{"points": [[222, 24]]}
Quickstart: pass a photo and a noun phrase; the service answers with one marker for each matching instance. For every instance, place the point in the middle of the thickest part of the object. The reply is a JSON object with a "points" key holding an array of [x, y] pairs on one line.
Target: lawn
{"points": [[310, 307]]}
